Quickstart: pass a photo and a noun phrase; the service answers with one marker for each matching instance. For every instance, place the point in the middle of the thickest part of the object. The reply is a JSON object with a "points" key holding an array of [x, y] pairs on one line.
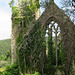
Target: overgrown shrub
{"points": [[36, 73], [11, 70]]}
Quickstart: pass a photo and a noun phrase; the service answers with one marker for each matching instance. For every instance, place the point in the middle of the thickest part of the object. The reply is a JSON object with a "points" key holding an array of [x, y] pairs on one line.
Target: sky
{"points": [[5, 19]]}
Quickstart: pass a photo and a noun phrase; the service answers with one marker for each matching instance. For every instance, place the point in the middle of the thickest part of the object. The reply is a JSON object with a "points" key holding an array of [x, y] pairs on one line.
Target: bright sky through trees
{"points": [[5, 19]]}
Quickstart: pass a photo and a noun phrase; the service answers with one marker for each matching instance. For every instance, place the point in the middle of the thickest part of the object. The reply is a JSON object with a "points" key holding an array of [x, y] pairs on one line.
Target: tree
{"points": [[11, 3], [15, 9], [68, 7], [45, 3]]}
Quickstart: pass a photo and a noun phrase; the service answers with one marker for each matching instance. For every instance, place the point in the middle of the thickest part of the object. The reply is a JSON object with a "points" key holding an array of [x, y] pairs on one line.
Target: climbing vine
{"points": [[32, 50]]}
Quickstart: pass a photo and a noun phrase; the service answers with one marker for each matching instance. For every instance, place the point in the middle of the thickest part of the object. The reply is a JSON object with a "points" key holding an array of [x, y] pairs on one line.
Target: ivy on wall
{"points": [[31, 45], [32, 50]]}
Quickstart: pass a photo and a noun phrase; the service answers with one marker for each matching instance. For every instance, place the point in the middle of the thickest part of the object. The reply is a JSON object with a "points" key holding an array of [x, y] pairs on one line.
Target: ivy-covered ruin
{"points": [[45, 45]]}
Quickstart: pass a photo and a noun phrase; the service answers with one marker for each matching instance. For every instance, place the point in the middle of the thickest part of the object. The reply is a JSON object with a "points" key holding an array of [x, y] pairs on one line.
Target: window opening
{"points": [[53, 31]]}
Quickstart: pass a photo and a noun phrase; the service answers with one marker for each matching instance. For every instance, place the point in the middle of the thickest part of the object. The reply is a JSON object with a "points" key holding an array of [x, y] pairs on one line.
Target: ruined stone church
{"points": [[53, 21]]}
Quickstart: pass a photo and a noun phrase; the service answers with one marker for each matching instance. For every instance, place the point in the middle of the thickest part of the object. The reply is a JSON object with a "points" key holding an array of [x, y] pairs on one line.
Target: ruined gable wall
{"points": [[67, 31]]}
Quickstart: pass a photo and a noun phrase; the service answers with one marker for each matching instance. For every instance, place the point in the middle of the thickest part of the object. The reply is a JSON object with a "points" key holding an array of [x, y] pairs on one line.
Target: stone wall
{"points": [[13, 44]]}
